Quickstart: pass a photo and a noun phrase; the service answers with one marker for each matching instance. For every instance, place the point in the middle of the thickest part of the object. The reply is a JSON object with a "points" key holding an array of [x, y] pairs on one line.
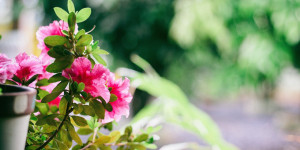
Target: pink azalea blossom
{"points": [[94, 79], [28, 66], [120, 88], [7, 68], [54, 28], [97, 81]]}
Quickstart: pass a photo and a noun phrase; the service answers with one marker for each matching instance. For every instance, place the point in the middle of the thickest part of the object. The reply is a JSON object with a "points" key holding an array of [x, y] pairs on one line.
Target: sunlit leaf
{"points": [[61, 14], [71, 7], [83, 14]]}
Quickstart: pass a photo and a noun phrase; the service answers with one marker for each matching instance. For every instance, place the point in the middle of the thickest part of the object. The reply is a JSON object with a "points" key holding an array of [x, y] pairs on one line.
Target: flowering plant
{"points": [[70, 85]]}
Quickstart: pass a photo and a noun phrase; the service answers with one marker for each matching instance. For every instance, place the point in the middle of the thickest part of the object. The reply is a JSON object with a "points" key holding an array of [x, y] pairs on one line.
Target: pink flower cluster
{"points": [[7, 68], [97, 82], [24, 67]]}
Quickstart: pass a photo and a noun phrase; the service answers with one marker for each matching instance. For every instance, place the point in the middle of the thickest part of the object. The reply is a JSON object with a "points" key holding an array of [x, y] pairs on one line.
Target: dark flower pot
{"points": [[16, 105]]}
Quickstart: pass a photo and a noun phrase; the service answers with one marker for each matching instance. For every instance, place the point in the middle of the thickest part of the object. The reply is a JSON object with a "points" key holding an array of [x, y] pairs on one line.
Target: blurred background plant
{"points": [[229, 56]]}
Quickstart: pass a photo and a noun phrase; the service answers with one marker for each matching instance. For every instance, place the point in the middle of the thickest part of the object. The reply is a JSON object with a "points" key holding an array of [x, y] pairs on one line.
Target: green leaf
{"points": [[137, 147], [95, 45], [60, 65], [65, 32], [115, 135], [63, 104], [43, 82], [84, 94], [61, 14], [122, 138], [72, 21], [79, 121], [74, 86], [108, 107], [150, 146], [56, 78], [83, 14], [61, 86], [141, 138], [128, 130], [10, 82], [15, 78], [65, 138], [73, 134], [31, 80], [60, 51], [71, 7], [53, 54], [98, 108], [103, 147], [47, 120], [79, 34], [76, 147], [102, 140], [99, 51], [88, 110], [50, 97], [84, 40], [41, 93], [113, 98], [80, 87], [61, 146], [108, 126], [92, 61], [99, 59], [78, 109], [48, 128], [55, 92], [55, 40], [43, 108], [84, 131], [53, 109]]}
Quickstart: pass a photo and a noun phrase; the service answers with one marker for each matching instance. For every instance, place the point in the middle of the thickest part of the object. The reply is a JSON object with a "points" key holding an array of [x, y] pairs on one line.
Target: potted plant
{"points": [[17, 103], [73, 90]]}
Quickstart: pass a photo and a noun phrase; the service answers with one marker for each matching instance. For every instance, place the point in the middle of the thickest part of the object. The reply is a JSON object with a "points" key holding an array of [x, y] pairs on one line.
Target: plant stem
{"points": [[87, 146], [57, 130], [94, 136]]}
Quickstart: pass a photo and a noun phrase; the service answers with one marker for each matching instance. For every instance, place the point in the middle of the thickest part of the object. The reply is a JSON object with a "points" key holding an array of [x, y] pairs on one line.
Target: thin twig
{"points": [[57, 130]]}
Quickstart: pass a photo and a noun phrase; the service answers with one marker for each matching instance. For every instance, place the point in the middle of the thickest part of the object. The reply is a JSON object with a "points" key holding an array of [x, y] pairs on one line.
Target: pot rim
{"points": [[27, 90]]}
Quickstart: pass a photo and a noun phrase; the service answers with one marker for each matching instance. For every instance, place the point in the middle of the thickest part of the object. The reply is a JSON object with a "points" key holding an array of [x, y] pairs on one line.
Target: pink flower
{"points": [[7, 68], [28, 66], [94, 79], [54, 28], [120, 88], [97, 81]]}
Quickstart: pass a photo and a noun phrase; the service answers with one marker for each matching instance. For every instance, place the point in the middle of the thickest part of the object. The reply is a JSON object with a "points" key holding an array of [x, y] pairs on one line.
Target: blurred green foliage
{"points": [[209, 48], [173, 106], [236, 43]]}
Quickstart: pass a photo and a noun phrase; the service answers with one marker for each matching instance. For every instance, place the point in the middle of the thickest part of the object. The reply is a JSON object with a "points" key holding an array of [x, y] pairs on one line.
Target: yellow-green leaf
{"points": [[115, 135], [61, 14], [63, 104], [141, 138], [73, 134], [79, 121], [102, 140], [84, 131], [83, 14]]}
